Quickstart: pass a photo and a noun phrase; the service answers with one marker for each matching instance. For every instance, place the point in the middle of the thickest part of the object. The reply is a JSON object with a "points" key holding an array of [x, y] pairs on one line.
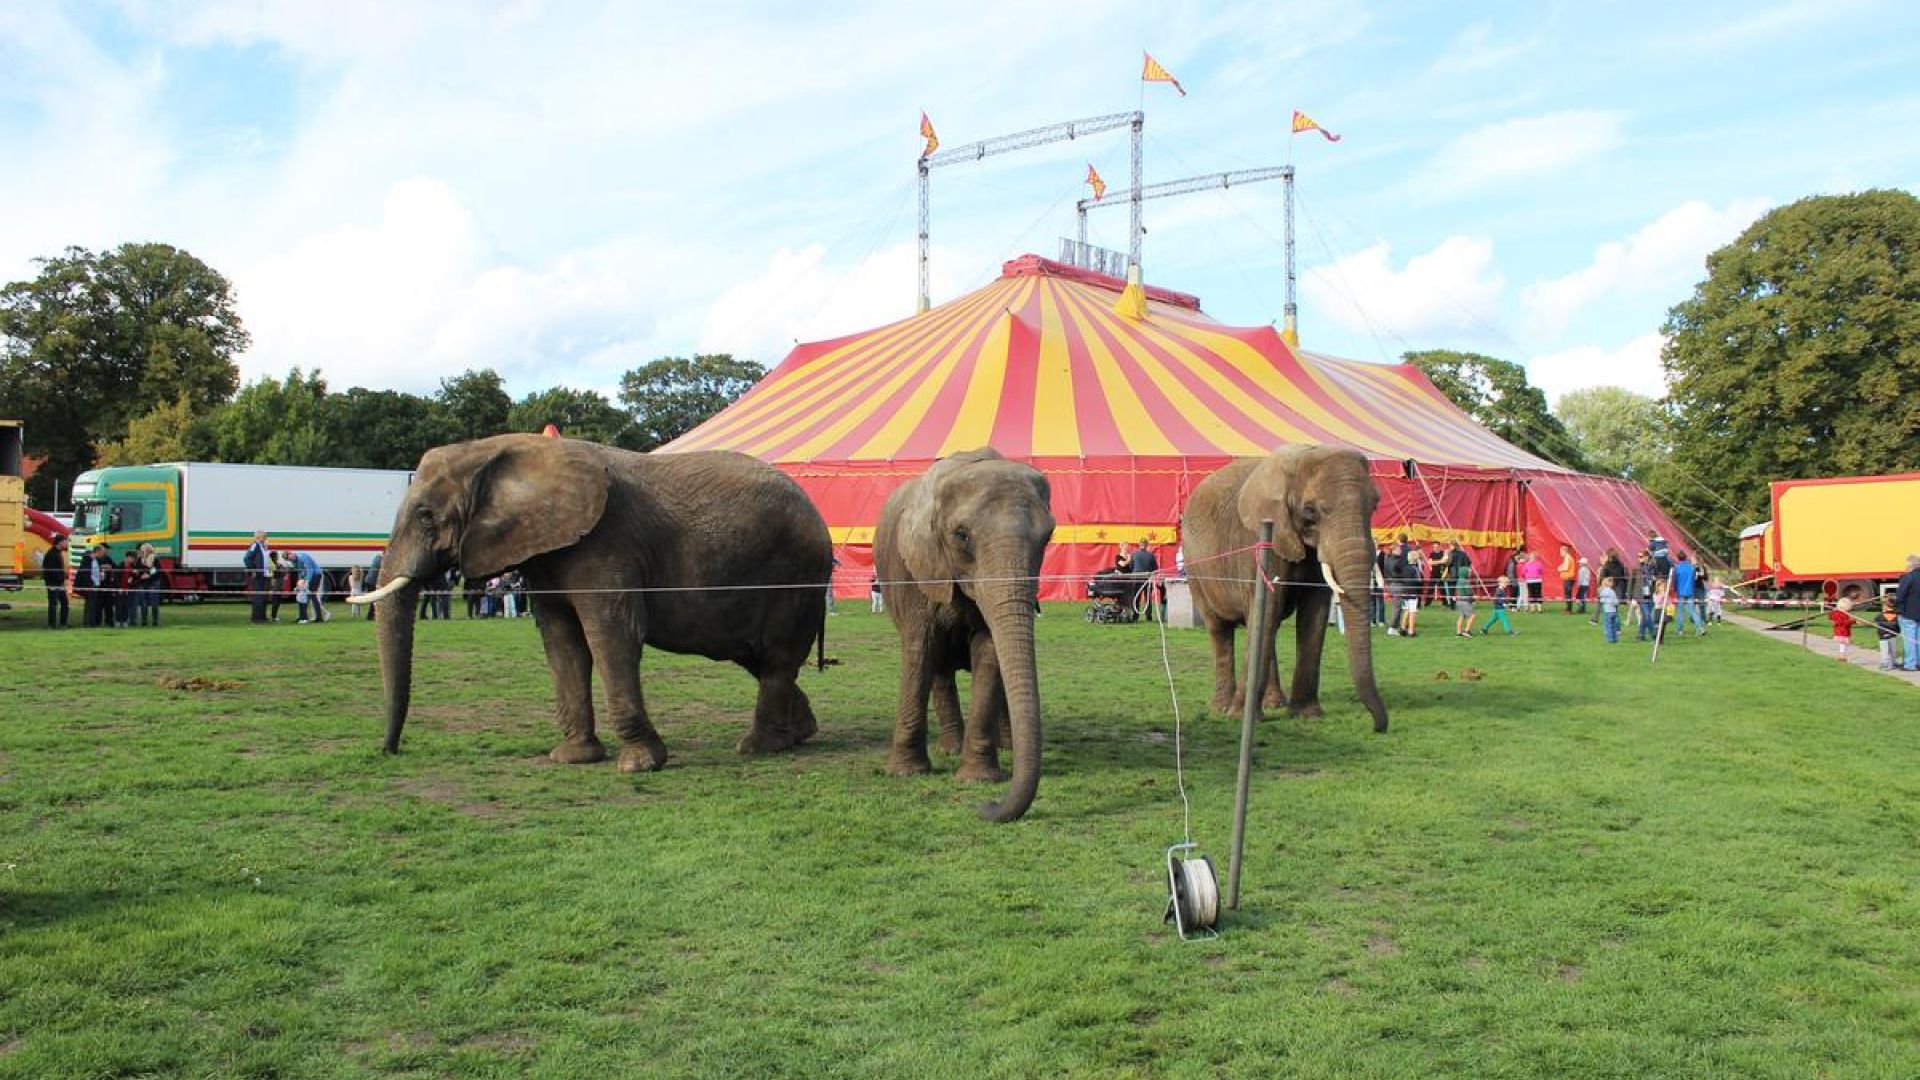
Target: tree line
{"points": [[1796, 356], [128, 356]]}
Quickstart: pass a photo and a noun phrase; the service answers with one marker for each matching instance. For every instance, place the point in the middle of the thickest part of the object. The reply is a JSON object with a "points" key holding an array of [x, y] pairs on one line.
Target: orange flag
{"points": [[1153, 72], [1099, 185], [1303, 122], [926, 132]]}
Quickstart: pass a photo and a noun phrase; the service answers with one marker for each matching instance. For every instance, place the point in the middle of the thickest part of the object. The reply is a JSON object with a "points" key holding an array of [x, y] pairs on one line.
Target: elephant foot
{"points": [[1309, 710], [1273, 700], [579, 751], [643, 757], [949, 742], [783, 719], [980, 771], [900, 763], [804, 725], [762, 741]]}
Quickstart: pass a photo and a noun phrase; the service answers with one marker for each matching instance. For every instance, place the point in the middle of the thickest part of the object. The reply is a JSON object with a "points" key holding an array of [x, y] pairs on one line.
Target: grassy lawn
{"points": [[1579, 865]]}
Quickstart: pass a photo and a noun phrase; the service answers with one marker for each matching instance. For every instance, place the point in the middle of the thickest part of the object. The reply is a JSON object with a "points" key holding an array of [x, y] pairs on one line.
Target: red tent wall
{"points": [[1101, 503]]}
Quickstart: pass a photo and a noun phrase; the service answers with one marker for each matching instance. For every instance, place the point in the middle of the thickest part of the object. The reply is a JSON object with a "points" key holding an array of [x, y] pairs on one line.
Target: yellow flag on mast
{"points": [[1153, 72], [926, 132], [1303, 122], [1093, 179]]}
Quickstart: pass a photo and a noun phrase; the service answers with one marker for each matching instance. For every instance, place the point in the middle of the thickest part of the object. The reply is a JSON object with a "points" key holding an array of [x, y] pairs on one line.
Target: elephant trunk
{"points": [[1009, 614], [395, 628], [1353, 562]]}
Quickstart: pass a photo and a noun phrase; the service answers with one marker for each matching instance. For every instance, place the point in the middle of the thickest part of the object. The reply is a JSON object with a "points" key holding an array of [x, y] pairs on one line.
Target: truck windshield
{"points": [[86, 516]]}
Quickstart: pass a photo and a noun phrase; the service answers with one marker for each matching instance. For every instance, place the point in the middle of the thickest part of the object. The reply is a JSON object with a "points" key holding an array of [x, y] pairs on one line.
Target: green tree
{"points": [[671, 396], [170, 431], [1497, 395], [96, 340], [579, 414], [1799, 354], [1619, 432], [274, 423], [381, 429], [475, 404]]}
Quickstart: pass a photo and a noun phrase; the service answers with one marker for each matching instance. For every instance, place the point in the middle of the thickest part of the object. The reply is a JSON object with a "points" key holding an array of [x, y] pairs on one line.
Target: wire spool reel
{"points": [[1193, 894]]}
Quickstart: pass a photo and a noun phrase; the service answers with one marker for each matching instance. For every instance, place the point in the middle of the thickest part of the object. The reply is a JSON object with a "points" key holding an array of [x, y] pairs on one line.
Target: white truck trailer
{"points": [[201, 517]]}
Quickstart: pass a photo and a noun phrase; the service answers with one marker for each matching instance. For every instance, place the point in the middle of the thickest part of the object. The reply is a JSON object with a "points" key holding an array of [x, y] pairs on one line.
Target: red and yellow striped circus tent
{"points": [[1126, 415]]}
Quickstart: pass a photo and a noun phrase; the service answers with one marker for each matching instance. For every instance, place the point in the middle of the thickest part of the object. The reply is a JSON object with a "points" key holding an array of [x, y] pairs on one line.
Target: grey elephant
{"points": [[715, 554], [958, 553], [1321, 501]]}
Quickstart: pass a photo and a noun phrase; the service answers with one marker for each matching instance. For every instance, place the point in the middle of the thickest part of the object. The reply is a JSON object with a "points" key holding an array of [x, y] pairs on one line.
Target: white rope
{"points": [[1179, 766]]}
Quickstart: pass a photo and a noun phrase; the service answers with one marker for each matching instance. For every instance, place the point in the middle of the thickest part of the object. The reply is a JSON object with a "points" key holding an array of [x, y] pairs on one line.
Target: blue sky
{"points": [[562, 191]]}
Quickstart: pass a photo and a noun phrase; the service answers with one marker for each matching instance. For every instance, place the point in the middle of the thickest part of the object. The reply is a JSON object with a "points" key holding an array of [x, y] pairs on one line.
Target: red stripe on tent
{"points": [[854, 386], [1099, 431], [815, 396], [927, 437], [1013, 425], [1166, 416], [1230, 412], [946, 399]]}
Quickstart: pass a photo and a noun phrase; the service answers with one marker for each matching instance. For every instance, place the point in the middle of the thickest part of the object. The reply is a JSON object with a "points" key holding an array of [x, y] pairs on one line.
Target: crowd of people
{"points": [[126, 593], [1661, 587]]}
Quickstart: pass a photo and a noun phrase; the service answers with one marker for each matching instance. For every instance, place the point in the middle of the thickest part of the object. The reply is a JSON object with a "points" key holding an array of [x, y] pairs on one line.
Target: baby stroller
{"points": [[1115, 598]]}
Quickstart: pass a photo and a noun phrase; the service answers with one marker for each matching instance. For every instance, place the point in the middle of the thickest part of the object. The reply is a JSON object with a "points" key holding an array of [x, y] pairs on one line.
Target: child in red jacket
{"points": [[1842, 618]]}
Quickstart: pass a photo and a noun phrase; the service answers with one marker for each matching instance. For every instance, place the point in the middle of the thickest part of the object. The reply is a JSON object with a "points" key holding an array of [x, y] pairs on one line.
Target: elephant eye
{"points": [[962, 535], [1310, 511]]}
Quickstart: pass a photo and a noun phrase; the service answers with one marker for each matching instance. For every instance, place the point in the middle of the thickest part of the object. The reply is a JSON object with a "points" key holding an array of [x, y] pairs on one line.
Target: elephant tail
{"points": [[821, 654]]}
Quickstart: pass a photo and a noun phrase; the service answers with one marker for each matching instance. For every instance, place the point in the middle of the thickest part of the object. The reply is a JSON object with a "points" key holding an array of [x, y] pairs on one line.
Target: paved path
{"points": [[1865, 656]]}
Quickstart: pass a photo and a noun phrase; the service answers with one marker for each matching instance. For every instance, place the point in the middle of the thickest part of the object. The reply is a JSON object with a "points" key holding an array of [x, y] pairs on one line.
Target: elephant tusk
{"points": [[1332, 582], [382, 592]]}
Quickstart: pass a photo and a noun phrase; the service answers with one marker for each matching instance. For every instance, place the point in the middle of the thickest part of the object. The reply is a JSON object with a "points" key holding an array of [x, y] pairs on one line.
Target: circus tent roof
{"points": [[1038, 364]]}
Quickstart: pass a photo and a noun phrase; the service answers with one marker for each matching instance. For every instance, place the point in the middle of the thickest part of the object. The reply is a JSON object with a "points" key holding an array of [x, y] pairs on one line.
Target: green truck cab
{"points": [[124, 507]]}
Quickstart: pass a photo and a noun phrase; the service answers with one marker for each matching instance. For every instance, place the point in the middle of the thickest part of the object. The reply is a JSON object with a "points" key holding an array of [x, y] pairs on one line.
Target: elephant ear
{"points": [[1271, 491], [533, 495], [921, 545]]}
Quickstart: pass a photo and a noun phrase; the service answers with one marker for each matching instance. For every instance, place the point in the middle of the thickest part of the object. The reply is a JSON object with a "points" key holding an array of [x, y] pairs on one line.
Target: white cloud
{"points": [[420, 294], [1516, 149], [1634, 366], [800, 298], [1451, 291], [1659, 260]]}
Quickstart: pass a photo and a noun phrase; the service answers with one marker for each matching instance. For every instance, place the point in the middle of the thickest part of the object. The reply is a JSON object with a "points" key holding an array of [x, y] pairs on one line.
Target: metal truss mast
{"points": [[1026, 140], [1210, 182]]}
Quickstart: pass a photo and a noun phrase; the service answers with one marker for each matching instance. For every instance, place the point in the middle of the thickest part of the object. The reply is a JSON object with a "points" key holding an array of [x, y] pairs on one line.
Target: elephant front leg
{"points": [[979, 753], [571, 663], [909, 754], [616, 653], [946, 708], [1226, 692], [1310, 638]]}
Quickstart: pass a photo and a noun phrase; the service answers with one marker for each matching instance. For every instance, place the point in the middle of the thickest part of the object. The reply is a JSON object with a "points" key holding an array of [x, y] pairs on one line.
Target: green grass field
{"points": [[1580, 865]]}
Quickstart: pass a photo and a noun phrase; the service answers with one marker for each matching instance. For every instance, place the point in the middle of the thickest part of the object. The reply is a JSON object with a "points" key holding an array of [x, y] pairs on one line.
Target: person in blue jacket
{"points": [[1686, 604], [307, 572]]}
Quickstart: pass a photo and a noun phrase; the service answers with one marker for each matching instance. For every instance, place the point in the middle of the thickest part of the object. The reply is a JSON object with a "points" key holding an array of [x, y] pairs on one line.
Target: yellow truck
{"points": [[13, 505], [1843, 535]]}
